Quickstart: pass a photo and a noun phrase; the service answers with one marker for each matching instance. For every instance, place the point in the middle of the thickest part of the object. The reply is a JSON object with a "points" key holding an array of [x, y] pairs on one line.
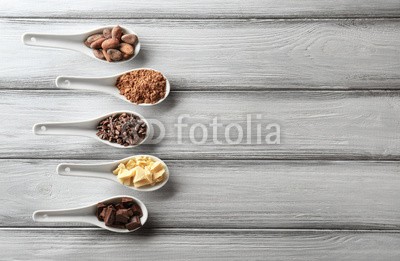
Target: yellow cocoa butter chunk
{"points": [[141, 163], [126, 181], [148, 175], [131, 164], [140, 174], [159, 175], [120, 167], [156, 167], [127, 174], [141, 183]]}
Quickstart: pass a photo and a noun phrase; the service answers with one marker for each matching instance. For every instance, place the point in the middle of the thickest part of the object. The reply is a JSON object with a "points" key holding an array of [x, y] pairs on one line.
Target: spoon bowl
{"points": [[104, 171], [87, 214], [105, 85], [73, 42], [88, 129]]}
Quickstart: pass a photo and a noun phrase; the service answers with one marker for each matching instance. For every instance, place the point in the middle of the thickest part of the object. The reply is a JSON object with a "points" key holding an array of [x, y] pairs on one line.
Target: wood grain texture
{"points": [[222, 194], [199, 245], [313, 125], [221, 54], [202, 9]]}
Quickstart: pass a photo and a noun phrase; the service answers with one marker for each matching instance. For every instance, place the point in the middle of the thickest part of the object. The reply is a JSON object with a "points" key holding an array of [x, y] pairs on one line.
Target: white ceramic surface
{"points": [[86, 214], [104, 171], [73, 42], [103, 84], [87, 128]]}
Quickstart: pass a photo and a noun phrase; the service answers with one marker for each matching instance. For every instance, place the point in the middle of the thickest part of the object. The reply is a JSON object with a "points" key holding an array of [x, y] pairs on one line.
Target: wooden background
{"points": [[327, 71]]}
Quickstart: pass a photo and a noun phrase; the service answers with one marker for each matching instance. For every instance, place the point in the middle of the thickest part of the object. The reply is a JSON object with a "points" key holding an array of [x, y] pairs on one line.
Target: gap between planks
{"points": [[214, 230], [310, 160], [205, 18], [233, 90]]}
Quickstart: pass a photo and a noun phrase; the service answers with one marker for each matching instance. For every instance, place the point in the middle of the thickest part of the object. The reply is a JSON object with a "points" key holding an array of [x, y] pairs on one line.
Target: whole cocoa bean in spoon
{"points": [[99, 54], [107, 33], [129, 38], [110, 44], [114, 54], [126, 48], [93, 38], [116, 32]]}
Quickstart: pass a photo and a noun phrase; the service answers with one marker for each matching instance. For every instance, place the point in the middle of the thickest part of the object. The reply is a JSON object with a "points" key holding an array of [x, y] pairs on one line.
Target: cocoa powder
{"points": [[142, 86]]}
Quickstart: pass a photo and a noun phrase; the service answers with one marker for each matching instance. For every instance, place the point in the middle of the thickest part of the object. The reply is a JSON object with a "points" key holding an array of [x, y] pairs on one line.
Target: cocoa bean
{"points": [[97, 44], [108, 58], [114, 54], [126, 48], [93, 38], [110, 44], [99, 54], [126, 56], [116, 32], [129, 38], [111, 39], [107, 33]]}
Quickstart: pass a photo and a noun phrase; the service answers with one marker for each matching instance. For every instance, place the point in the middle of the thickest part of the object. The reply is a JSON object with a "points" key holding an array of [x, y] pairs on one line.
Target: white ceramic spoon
{"points": [[87, 128], [72, 41], [103, 84], [86, 215], [104, 171]]}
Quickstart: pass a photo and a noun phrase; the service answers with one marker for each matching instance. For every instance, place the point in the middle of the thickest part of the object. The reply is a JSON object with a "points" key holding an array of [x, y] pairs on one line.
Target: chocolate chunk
{"points": [[128, 202], [122, 215], [109, 218], [100, 207], [136, 210], [119, 206], [102, 214], [133, 223], [121, 226]]}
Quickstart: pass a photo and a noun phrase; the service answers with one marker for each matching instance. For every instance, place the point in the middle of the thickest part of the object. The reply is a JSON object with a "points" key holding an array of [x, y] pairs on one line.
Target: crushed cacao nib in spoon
{"points": [[125, 129]]}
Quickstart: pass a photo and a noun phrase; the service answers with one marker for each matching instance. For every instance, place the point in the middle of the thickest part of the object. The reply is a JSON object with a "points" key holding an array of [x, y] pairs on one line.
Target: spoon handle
{"points": [[72, 42], [65, 215], [63, 128], [102, 171], [104, 84]]}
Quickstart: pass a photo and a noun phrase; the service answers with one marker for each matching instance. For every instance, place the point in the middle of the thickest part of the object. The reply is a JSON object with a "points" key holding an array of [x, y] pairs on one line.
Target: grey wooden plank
{"points": [[168, 244], [222, 55], [222, 194], [202, 9], [313, 125]]}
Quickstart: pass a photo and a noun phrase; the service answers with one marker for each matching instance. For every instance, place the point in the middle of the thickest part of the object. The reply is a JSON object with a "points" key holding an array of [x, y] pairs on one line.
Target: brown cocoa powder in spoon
{"points": [[142, 86]]}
